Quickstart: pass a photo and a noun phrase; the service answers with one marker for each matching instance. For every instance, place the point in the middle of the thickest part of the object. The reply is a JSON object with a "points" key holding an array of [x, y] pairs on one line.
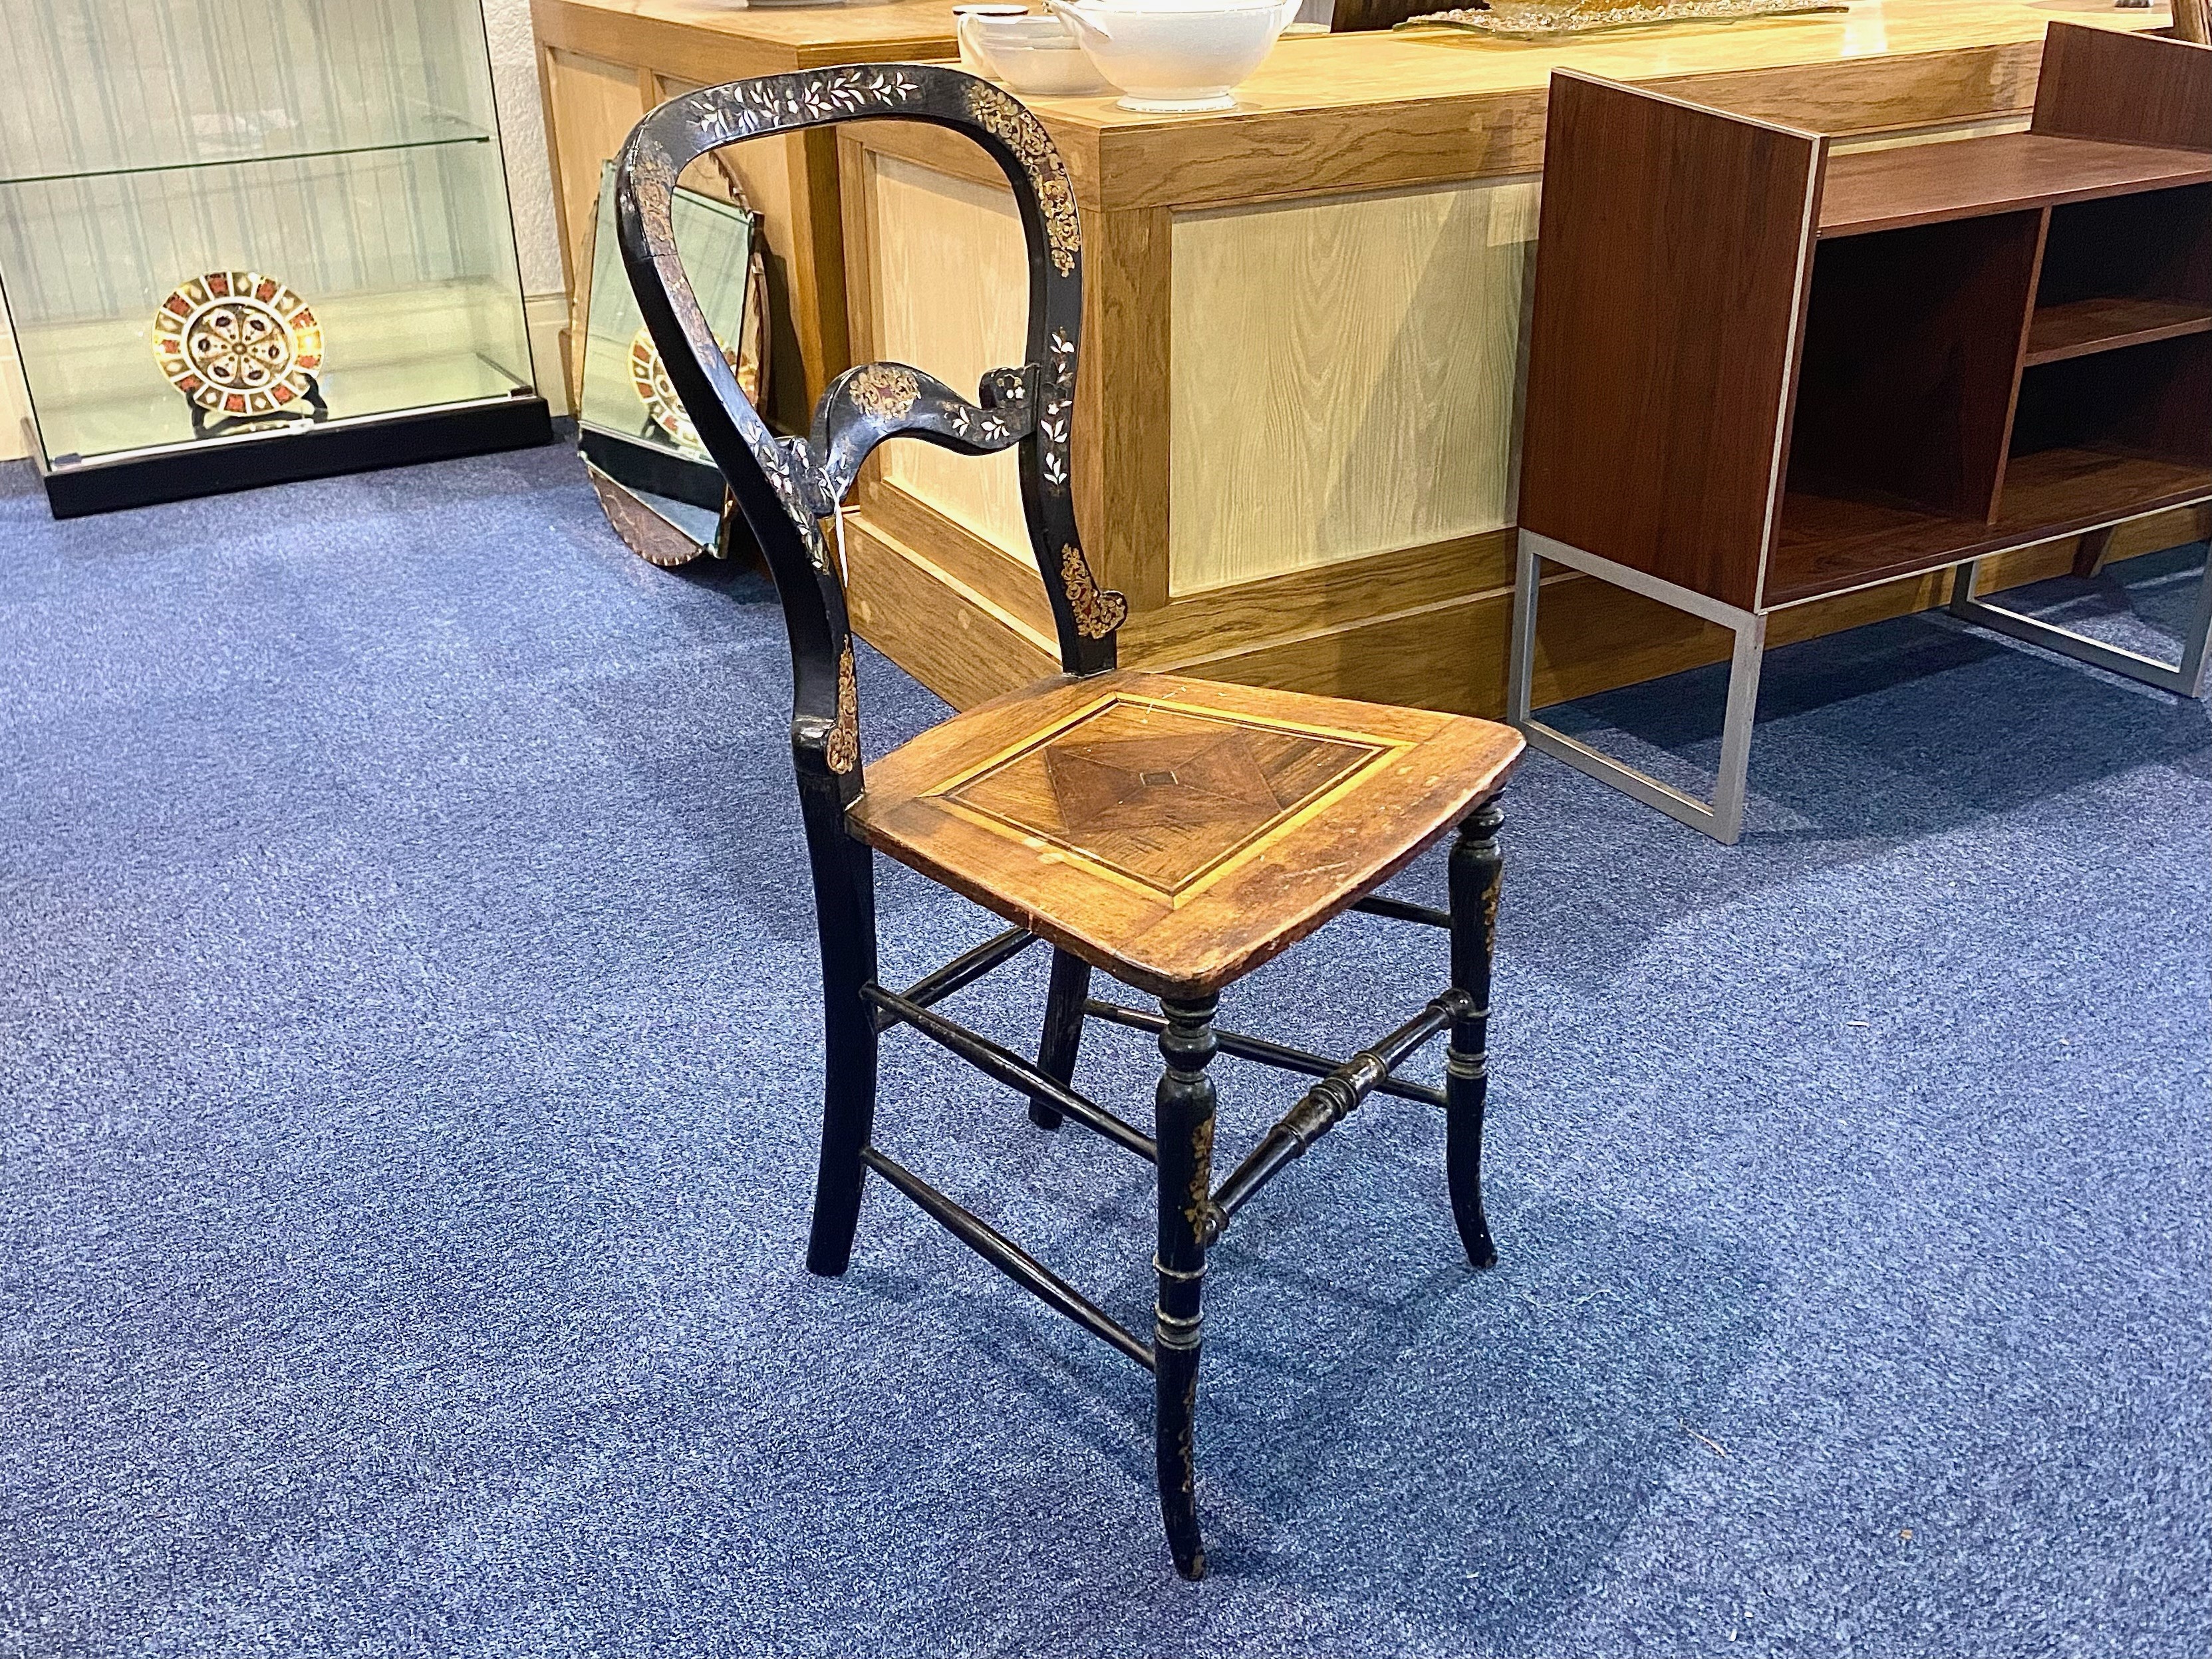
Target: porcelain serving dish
{"points": [[963, 30], [1031, 54], [1171, 56]]}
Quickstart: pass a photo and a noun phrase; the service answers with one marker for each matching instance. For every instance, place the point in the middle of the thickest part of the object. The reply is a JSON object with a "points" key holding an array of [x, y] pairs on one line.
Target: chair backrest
{"points": [[786, 486]]}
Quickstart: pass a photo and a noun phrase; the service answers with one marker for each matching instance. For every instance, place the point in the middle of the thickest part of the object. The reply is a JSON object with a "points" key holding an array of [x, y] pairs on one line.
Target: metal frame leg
{"points": [[2185, 678], [1723, 817]]}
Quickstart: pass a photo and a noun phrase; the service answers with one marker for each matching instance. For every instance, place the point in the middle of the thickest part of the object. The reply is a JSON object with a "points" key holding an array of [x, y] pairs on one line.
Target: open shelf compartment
{"points": [[2129, 270], [2095, 439], [1912, 351], [2096, 434]]}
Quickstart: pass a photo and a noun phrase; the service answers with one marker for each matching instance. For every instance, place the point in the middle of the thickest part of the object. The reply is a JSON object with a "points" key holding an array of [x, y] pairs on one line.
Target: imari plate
{"points": [[238, 343], [658, 392]]}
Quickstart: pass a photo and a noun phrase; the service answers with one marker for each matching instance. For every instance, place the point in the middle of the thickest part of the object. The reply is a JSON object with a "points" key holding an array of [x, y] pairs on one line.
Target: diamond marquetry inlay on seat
{"points": [[1176, 833], [1164, 797]]}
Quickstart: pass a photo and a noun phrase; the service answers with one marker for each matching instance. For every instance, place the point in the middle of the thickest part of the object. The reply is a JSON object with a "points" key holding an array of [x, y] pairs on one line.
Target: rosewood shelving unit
{"points": [[1760, 375]]}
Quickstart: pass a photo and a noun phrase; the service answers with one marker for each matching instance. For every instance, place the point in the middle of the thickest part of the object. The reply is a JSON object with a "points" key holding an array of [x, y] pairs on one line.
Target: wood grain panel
{"points": [[570, 270], [951, 637], [1670, 293], [1920, 184], [1325, 142], [1308, 604], [1014, 586], [948, 291], [710, 41], [1155, 794], [1345, 378], [591, 106], [2137, 89], [1878, 98], [1345, 112], [1281, 156], [1122, 445], [818, 258], [938, 150]]}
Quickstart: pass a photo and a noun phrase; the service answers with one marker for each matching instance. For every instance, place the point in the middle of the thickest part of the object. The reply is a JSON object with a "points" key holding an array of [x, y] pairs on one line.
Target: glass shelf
{"points": [[241, 160], [100, 418], [126, 85]]}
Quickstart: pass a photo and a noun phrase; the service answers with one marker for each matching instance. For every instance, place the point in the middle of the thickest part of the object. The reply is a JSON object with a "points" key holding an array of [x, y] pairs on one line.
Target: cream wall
{"points": [[522, 133]]}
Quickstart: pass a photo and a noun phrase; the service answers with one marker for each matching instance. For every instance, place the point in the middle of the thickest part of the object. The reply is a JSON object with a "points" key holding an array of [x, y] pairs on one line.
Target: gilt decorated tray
{"points": [[1559, 19]]}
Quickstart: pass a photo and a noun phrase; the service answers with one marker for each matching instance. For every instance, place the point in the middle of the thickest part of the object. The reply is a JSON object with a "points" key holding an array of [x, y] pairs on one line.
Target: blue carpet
{"points": [[409, 1096]]}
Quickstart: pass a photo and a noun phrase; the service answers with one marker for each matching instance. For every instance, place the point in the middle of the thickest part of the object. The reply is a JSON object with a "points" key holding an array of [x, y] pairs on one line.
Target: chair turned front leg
{"points": [[1184, 1128], [1063, 1030], [1477, 871]]}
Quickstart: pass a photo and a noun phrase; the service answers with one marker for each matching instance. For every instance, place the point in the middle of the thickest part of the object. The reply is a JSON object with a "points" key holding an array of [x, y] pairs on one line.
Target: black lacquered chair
{"points": [[1171, 833]]}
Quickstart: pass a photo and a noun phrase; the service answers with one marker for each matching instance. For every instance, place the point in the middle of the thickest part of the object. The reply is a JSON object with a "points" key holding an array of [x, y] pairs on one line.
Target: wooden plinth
{"points": [[1298, 428], [1297, 433]]}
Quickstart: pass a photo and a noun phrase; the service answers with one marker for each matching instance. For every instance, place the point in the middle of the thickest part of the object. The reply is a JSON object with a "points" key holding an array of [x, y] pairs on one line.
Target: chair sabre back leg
{"points": [[1477, 872], [845, 908], [1184, 1131], [1063, 1030]]}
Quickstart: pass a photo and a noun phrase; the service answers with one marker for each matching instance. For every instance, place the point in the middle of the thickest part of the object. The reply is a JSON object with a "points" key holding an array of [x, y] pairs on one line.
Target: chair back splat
{"points": [[786, 486]]}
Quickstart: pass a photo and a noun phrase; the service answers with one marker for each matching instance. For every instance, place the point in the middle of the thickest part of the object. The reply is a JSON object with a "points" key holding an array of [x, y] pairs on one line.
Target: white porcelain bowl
{"points": [[1033, 54], [963, 30], [1171, 57]]}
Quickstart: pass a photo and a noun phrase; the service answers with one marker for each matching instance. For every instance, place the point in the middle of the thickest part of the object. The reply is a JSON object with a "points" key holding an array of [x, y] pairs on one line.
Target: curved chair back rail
{"points": [[786, 486]]}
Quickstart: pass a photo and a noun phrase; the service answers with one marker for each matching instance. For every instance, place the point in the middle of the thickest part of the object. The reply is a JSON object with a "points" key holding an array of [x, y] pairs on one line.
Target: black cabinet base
{"points": [[315, 451]]}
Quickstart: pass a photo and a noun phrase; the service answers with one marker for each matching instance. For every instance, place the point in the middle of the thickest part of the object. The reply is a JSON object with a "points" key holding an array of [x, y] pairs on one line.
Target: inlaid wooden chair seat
{"points": [[1173, 833], [1176, 833]]}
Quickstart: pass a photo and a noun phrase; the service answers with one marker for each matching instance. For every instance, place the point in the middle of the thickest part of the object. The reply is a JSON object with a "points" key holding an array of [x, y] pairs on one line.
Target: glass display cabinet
{"points": [[247, 241], [641, 445]]}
